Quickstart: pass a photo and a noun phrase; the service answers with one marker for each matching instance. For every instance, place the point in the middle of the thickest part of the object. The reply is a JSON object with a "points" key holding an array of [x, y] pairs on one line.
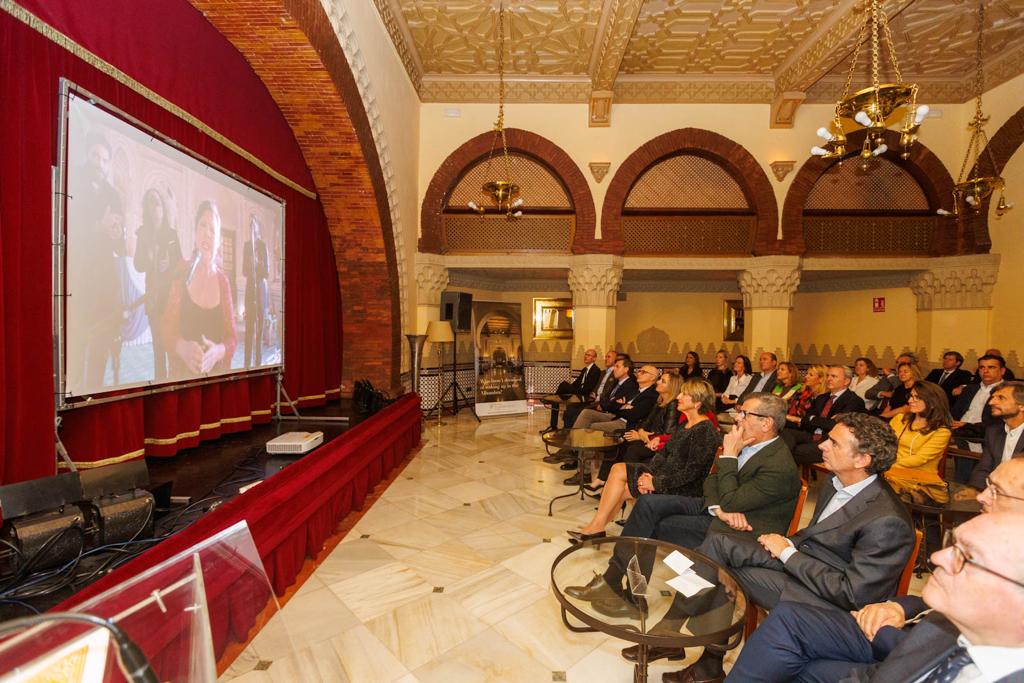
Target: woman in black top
{"points": [[692, 366], [679, 469], [720, 375]]}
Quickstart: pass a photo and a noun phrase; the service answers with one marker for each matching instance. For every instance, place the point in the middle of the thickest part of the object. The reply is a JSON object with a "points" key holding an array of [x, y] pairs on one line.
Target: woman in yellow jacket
{"points": [[923, 433]]}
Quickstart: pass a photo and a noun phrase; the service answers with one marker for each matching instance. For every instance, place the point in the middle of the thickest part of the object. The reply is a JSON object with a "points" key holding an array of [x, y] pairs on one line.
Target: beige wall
{"points": [[663, 326]]}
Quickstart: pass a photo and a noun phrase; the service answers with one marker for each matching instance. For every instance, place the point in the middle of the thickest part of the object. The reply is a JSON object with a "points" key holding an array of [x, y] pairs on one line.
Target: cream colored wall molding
{"points": [[856, 283], [771, 283], [342, 25], [781, 169], [493, 284], [594, 280], [431, 279], [959, 282], [391, 14], [506, 261], [599, 169]]}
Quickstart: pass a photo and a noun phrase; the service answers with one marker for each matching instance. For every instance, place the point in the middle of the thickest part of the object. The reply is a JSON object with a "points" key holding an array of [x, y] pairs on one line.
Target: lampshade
{"points": [[439, 332]]}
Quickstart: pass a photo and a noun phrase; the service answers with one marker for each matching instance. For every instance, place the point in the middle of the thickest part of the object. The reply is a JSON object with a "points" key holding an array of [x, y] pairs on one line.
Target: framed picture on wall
{"points": [[732, 320], [552, 318]]}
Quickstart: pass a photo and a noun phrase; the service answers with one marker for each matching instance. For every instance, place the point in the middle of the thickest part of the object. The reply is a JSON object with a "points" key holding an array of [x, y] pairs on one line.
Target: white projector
{"points": [[295, 443]]}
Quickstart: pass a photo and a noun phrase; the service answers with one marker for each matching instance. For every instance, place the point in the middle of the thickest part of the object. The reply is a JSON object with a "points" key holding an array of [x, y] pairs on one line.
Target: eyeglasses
{"points": [[914, 397], [743, 413], [997, 493], [961, 559], [656, 373]]}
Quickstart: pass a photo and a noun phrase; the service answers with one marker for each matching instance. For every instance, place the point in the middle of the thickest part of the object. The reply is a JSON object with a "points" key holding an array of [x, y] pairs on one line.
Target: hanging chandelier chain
{"points": [[892, 49], [979, 72], [861, 38], [874, 44], [501, 89]]}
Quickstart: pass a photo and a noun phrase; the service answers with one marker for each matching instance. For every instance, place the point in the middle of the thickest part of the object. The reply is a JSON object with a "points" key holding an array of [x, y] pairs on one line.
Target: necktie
{"points": [[827, 408], [945, 376], [950, 668]]}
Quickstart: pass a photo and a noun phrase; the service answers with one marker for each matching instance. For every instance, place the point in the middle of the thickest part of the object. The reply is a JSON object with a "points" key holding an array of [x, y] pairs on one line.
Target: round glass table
{"points": [[586, 444], [705, 606]]}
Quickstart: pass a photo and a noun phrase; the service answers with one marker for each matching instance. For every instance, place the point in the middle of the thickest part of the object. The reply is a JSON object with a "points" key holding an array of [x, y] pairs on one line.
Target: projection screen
{"points": [[172, 269]]}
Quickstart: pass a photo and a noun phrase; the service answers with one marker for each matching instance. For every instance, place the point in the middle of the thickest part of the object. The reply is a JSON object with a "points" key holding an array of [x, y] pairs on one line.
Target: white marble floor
{"points": [[447, 576]]}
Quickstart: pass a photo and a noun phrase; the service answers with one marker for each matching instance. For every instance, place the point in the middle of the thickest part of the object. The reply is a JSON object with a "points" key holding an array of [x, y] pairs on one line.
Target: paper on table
{"points": [[689, 584], [678, 562]]}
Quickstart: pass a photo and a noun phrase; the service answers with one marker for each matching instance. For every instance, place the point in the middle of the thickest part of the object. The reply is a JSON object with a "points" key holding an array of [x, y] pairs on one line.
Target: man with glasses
{"points": [[804, 643], [764, 381], [821, 416], [627, 408], [1004, 439]]}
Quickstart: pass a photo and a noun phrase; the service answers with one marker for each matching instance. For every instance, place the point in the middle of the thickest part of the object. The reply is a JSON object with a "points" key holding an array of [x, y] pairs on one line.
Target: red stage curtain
{"points": [[171, 48]]}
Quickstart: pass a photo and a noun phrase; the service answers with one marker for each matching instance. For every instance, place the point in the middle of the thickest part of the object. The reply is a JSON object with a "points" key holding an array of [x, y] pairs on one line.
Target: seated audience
{"points": [[887, 380], [719, 375], [678, 469], [865, 377], [923, 433], [604, 387], [819, 420], [950, 375], [976, 377], [638, 444], [813, 386], [787, 382], [583, 386], [972, 413], [752, 491], [1004, 438], [606, 416], [850, 555], [763, 381], [691, 368], [966, 625], [737, 383], [908, 375]]}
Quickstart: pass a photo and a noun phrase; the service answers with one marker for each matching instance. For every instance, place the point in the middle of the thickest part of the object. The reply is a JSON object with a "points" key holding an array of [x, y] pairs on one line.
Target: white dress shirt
{"points": [[860, 387], [991, 663], [843, 495], [977, 407], [737, 384], [1012, 436], [761, 382]]}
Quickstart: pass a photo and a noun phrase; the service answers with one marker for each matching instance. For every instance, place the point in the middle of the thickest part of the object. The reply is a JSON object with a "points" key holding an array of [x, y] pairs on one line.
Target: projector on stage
{"points": [[295, 443]]}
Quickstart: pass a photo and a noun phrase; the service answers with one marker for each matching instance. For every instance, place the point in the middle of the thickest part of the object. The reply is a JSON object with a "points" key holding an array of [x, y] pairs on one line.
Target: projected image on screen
{"points": [[173, 268]]}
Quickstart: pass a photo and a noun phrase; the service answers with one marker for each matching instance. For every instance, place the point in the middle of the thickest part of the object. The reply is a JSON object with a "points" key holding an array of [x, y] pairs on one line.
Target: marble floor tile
{"points": [[443, 480], [382, 515], [500, 542], [364, 658], [505, 506], [448, 563], [538, 631], [534, 564], [419, 631], [425, 502], [495, 594], [316, 663], [486, 658], [606, 664], [471, 491], [350, 559], [417, 535], [539, 524], [307, 619], [371, 594], [463, 520]]}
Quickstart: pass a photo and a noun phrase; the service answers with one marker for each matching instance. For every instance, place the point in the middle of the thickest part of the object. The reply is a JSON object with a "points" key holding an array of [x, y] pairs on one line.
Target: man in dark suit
{"points": [[608, 408], [1004, 438], [850, 555], [1008, 376], [763, 381], [972, 413], [950, 375], [803, 434], [967, 621], [583, 386], [753, 490], [604, 387]]}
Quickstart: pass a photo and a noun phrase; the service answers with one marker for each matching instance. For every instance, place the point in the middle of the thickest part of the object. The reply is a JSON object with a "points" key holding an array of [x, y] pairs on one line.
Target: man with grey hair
{"points": [[821, 416], [850, 555]]}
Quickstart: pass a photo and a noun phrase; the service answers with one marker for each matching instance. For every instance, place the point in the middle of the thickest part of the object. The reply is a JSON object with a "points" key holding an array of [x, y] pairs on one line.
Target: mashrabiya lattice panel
{"points": [[888, 235], [886, 186], [538, 186], [686, 181], [691, 235], [472, 233]]}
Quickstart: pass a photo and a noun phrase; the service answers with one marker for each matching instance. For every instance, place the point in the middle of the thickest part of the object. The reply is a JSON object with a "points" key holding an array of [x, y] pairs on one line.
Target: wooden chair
{"points": [[904, 584]]}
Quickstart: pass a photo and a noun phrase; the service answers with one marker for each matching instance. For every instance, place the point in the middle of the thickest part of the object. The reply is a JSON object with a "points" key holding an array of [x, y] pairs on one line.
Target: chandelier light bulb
{"points": [[824, 133], [473, 205], [970, 199], [922, 112], [881, 149], [819, 151], [862, 118], [517, 203], [517, 214], [943, 212]]}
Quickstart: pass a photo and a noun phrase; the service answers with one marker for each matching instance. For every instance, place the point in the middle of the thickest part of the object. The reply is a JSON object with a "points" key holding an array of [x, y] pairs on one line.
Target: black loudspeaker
{"points": [[458, 308]]}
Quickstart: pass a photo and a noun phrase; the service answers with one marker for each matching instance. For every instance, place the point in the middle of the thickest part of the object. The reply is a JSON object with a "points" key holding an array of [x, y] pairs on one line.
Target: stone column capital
{"points": [[956, 282], [594, 279], [770, 282], [431, 279]]}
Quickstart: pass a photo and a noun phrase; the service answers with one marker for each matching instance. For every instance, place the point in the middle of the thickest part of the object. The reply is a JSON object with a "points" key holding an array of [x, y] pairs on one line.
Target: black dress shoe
{"points": [[597, 589], [553, 459], [691, 675], [617, 607], [570, 465], [580, 537], [630, 654], [574, 480], [594, 489]]}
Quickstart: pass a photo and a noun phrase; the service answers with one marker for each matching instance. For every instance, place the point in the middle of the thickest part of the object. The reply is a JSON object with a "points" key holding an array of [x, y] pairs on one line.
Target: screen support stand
{"points": [[62, 452], [295, 408]]}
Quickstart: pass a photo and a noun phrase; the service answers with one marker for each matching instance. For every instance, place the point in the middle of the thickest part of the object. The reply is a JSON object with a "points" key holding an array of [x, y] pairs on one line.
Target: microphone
{"points": [[196, 258], [134, 664]]}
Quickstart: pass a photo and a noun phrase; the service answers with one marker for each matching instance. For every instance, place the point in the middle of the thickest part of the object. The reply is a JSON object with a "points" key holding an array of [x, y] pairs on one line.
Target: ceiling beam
{"points": [[618, 17]]}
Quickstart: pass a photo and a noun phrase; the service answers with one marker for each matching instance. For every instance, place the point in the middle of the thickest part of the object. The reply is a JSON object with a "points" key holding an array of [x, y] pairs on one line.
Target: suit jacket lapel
{"points": [[924, 648], [852, 508]]}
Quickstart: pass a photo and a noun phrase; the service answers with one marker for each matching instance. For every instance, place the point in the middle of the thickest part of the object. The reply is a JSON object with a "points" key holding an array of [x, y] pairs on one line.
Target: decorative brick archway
{"points": [[564, 168], [926, 168], [295, 52], [731, 156]]}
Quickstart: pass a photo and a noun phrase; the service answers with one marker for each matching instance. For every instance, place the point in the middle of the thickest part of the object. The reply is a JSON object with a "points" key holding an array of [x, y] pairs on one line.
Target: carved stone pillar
{"points": [[594, 280], [768, 287], [431, 280], [954, 304]]}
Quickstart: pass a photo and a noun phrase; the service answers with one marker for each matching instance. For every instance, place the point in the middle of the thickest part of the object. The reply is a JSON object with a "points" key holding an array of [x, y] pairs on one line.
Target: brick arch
{"points": [[730, 155], [1003, 145], [922, 164], [317, 93], [471, 151]]}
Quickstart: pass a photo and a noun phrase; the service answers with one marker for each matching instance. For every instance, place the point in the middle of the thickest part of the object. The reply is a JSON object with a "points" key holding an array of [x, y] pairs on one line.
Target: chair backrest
{"points": [[714, 463], [942, 463], [794, 524], [908, 570]]}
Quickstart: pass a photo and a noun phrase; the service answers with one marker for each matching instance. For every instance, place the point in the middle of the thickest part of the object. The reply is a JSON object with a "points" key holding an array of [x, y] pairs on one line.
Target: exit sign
{"points": [[878, 304]]}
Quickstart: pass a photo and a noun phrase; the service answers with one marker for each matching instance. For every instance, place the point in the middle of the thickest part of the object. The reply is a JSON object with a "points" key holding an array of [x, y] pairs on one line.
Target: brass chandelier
{"points": [[502, 191], [971, 191], [872, 107]]}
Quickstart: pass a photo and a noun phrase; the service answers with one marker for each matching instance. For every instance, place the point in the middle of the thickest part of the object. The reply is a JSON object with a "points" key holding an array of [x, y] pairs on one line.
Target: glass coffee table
{"points": [[586, 444], [661, 616]]}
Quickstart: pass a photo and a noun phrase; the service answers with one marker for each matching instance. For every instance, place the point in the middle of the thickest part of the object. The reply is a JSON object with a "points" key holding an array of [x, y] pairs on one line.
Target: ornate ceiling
{"points": [[782, 52]]}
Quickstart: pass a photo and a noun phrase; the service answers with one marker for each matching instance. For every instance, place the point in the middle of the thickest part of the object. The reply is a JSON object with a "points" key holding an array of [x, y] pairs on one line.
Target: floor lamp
{"points": [[440, 332]]}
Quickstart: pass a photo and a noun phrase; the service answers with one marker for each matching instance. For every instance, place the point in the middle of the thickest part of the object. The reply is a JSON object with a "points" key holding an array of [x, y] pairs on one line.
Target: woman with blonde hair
{"points": [[679, 469], [813, 386], [908, 374], [923, 431]]}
